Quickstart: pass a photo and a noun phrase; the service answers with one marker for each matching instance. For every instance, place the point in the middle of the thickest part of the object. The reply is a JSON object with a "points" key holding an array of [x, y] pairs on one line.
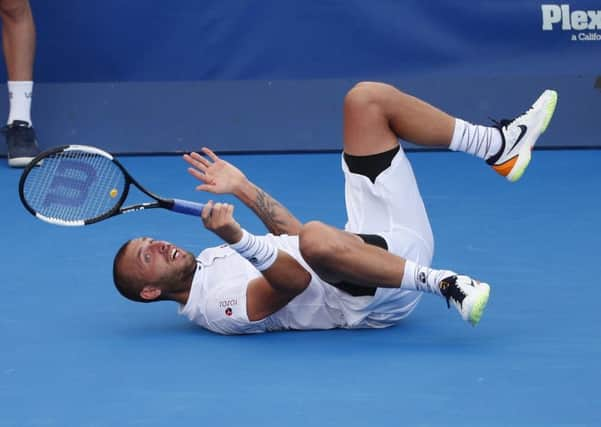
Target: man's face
{"points": [[157, 261]]}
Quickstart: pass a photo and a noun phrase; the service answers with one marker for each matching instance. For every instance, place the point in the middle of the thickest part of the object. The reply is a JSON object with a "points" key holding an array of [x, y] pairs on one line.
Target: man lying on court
{"points": [[313, 276]]}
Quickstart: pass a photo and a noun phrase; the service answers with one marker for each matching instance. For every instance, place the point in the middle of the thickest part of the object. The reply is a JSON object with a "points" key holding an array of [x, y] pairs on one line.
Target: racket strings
{"points": [[110, 185], [74, 186], [42, 186]]}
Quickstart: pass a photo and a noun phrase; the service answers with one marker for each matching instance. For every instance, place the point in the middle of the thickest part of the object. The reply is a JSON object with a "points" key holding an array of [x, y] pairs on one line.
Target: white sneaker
{"points": [[519, 136], [467, 295]]}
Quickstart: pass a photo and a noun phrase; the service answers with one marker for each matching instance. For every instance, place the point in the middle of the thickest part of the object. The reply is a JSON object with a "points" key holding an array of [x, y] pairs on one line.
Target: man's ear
{"points": [[150, 293]]}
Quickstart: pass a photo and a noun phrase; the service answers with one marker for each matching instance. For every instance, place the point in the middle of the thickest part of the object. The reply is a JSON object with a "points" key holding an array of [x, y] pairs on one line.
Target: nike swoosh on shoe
{"points": [[523, 130]]}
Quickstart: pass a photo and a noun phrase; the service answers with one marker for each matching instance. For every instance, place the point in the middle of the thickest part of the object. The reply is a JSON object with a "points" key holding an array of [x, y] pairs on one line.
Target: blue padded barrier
{"points": [[270, 75]]}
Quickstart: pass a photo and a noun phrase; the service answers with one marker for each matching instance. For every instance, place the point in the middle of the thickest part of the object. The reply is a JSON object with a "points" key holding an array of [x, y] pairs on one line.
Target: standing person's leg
{"points": [[18, 39], [18, 42]]}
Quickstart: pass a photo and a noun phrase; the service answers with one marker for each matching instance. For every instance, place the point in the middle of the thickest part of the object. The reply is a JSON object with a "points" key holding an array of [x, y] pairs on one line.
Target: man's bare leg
{"points": [[18, 39], [338, 256], [376, 115]]}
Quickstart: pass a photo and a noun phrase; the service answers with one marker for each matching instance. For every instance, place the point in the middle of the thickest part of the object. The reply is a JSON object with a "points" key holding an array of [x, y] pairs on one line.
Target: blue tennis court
{"points": [[74, 353]]}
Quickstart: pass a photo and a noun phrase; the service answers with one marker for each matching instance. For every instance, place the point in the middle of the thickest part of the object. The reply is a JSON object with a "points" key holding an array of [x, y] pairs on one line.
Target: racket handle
{"points": [[186, 207]]}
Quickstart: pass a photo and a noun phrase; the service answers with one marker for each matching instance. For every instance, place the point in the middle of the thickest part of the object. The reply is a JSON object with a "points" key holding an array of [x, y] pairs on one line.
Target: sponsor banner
{"points": [[580, 25], [191, 40]]}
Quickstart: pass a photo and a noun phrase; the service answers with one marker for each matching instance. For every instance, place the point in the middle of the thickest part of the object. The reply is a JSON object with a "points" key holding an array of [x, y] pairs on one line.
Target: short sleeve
{"points": [[226, 309]]}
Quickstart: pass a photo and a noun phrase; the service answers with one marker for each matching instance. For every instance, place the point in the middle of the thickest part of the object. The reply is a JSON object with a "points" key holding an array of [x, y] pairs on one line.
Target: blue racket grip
{"points": [[186, 207]]}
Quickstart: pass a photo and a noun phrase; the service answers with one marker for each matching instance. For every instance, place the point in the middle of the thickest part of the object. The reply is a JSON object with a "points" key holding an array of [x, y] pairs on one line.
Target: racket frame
{"points": [[117, 209]]}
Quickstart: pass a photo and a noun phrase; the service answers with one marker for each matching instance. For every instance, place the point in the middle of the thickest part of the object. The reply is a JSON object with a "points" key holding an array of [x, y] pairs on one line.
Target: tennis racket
{"points": [[76, 185]]}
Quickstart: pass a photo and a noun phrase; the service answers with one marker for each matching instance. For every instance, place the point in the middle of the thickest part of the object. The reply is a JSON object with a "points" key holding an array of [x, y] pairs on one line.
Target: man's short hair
{"points": [[128, 286]]}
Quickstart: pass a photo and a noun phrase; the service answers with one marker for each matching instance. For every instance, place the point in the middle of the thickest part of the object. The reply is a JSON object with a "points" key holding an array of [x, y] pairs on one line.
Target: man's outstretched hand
{"points": [[217, 176]]}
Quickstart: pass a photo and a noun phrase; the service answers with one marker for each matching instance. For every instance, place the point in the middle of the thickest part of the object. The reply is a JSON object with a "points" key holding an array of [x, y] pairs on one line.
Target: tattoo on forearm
{"points": [[276, 217]]}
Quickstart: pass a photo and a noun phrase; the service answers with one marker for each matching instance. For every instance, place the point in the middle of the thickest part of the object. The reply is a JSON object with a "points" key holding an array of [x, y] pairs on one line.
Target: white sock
{"points": [[423, 279], [481, 141], [19, 95], [257, 250]]}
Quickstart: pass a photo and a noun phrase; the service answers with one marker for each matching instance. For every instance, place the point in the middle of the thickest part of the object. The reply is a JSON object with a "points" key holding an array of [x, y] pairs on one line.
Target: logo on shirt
{"points": [[228, 303]]}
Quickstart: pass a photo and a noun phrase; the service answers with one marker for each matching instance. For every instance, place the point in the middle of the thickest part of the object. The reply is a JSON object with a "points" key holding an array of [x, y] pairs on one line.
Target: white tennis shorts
{"points": [[393, 208]]}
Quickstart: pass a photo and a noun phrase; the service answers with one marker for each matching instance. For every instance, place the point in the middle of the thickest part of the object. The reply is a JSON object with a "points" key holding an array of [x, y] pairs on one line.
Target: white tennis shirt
{"points": [[217, 298]]}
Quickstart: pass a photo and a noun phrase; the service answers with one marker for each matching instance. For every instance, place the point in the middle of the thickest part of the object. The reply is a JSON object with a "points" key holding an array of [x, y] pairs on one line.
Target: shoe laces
{"points": [[451, 290], [506, 122], [501, 123], [23, 131]]}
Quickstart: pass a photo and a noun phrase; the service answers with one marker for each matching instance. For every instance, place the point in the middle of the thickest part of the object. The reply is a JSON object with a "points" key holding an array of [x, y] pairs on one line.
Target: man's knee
{"points": [[314, 242], [361, 96], [365, 94], [13, 9]]}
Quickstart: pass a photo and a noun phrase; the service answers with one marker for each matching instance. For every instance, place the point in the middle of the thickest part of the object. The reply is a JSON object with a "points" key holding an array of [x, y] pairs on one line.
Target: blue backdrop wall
{"points": [[256, 75]]}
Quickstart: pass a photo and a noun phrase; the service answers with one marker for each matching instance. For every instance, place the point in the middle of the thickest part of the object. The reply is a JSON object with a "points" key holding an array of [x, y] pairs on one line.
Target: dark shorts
{"points": [[353, 288]]}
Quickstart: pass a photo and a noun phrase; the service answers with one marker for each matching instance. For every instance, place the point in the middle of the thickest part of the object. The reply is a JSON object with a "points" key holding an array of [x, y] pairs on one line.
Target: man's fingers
{"points": [[205, 187], [222, 213], [199, 175], [216, 215], [197, 166], [199, 158], [198, 161], [222, 209], [206, 211], [210, 153]]}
